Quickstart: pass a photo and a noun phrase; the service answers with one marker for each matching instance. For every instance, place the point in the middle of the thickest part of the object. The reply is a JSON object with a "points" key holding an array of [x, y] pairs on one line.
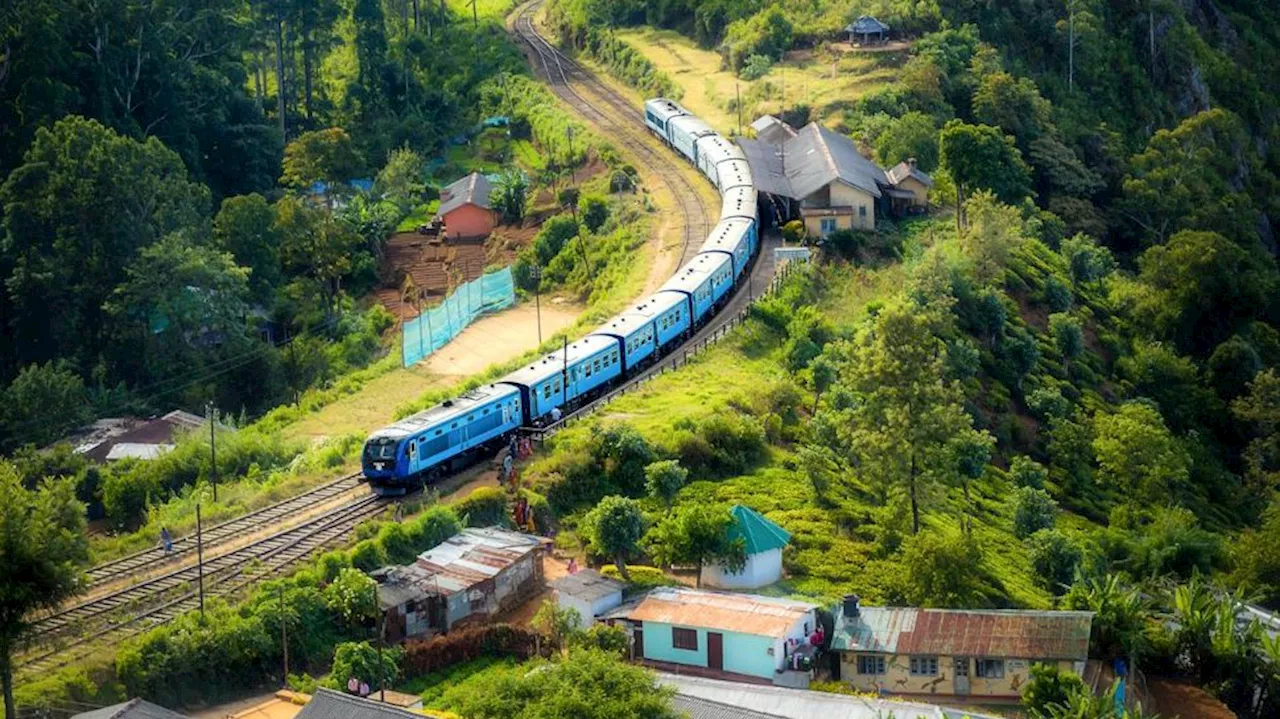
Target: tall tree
{"points": [[320, 156], [1137, 454], [42, 545], [614, 528], [982, 157], [318, 246], [1260, 407], [697, 535], [82, 205], [899, 430], [244, 226]]}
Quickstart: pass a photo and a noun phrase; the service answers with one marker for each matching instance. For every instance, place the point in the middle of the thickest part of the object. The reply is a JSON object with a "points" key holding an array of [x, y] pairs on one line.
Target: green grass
{"points": [[826, 80], [432, 687], [421, 215], [484, 9]]}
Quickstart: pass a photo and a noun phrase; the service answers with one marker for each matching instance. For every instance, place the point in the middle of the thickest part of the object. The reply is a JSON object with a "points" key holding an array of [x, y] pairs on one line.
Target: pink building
{"points": [[465, 208]]}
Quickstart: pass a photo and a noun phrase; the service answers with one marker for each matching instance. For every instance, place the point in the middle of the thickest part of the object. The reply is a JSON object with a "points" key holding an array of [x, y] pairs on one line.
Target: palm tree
{"points": [[1121, 617]]}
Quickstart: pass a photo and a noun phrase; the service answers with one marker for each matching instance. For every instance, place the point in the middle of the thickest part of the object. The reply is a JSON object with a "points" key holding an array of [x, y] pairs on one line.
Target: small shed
{"points": [[467, 578], [465, 207], [588, 592], [911, 183], [861, 30], [764, 541]]}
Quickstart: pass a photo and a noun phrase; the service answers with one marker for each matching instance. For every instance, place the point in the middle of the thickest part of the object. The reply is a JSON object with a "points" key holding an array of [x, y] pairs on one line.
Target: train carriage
{"points": [[436, 439], [704, 281], [713, 150], [685, 134], [732, 175], [658, 112], [561, 380], [647, 328], [732, 237], [739, 203]]}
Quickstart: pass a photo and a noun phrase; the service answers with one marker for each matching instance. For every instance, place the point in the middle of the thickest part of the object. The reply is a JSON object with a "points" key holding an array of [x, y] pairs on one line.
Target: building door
{"points": [[962, 676], [638, 647], [715, 650]]}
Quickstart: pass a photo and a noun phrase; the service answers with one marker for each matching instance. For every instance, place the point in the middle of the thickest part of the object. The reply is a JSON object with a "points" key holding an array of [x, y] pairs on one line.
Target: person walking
{"points": [[166, 540]]}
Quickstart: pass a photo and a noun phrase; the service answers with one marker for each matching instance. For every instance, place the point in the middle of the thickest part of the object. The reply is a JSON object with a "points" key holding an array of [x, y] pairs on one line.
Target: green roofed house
{"points": [[764, 541]]}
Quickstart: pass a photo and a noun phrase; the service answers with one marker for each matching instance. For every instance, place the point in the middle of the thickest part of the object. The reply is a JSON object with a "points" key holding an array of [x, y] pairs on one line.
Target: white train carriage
{"points": [[658, 112], [684, 132], [713, 150], [732, 237], [733, 174], [739, 203], [705, 280]]}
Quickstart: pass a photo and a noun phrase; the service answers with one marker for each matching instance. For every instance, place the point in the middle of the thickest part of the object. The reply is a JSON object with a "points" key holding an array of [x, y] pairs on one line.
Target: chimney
{"points": [[912, 162], [851, 610]]}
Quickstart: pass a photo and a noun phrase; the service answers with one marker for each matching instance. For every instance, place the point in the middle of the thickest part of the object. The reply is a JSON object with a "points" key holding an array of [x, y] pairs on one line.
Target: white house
{"points": [[764, 541], [589, 593]]}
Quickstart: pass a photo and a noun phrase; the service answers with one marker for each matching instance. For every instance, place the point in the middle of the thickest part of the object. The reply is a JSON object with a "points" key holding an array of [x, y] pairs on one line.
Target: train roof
{"points": [[738, 201], [733, 174], [691, 125], [638, 315], [554, 363], [717, 149], [694, 273], [445, 411], [727, 234], [664, 108]]}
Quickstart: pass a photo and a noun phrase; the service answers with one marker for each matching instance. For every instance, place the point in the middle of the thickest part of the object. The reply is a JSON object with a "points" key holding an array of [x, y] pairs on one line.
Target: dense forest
{"points": [[162, 246]]}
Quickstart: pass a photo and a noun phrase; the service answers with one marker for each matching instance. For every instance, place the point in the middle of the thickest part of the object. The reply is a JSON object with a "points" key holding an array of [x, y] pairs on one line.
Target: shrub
{"points": [[642, 578], [1033, 510], [465, 645], [368, 556], [377, 667], [1049, 687], [1026, 472], [396, 543], [484, 507], [941, 570], [595, 212], [432, 527], [722, 445], [845, 243], [353, 597], [756, 67], [794, 232], [1054, 558], [553, 236], [1057, 295]]}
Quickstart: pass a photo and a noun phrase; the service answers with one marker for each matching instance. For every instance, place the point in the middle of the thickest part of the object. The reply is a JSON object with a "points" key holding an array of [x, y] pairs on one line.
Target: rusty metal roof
{"points": [[456, 564], [741, 613], [1021, 634]]}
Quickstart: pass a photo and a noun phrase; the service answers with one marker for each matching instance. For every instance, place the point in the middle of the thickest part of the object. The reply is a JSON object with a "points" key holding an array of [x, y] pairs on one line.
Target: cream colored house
{"points": [[954, 654], [911, 185], [819, 173]]}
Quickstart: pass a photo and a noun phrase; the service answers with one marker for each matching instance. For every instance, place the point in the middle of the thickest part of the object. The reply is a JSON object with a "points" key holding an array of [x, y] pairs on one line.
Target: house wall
{"points": [[761, 570], [582, 607], [846, 195], [917, 188], [469, 221], [897, 678], [743, 653]]}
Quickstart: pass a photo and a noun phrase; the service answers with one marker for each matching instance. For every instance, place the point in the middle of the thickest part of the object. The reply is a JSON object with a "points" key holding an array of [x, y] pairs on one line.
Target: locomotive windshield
{"points": [[380, 448]]}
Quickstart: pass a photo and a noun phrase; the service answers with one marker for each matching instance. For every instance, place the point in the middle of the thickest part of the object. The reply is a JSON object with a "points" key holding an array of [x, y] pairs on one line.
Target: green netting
{"points": [[440, 324]]}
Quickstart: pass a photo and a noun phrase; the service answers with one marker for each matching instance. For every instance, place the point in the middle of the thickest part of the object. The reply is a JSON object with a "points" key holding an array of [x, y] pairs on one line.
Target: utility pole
{"points": [[537, 298], [200, 558], [213, 450], [284, 635], [568, 132], [737, 102]]}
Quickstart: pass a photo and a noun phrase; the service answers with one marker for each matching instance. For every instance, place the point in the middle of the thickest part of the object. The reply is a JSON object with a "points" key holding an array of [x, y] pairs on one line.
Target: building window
{"points": [[870, 664], [989, 668], [828, 225], [924, 666], [862, 210], [684, 638]]}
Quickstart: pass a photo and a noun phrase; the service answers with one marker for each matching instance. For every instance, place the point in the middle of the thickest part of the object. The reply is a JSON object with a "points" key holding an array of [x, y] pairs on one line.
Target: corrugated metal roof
{"points": [[741, 613], [456, 564], [772, 130], [865, 25], [587, 584], [473, 189], [903, 170], [810, 161], [760, 534], [328, 704], [800, 703], [1021, 634], [133, 709]]}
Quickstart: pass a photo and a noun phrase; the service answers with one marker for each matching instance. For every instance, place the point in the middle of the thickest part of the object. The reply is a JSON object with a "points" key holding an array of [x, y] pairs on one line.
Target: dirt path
{"points": [[489, 340]]}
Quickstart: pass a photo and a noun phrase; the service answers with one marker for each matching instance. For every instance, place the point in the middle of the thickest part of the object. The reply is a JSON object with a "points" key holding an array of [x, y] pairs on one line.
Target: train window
{"points": [[557, 385], [588, 369], [486, 410], [439, 432], [596, 364], [413, 450], [453, 426], [546, 391]]}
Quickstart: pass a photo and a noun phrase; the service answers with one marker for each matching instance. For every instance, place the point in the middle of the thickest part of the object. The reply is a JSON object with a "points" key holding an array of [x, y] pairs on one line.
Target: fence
{"points": [[436, 327]]}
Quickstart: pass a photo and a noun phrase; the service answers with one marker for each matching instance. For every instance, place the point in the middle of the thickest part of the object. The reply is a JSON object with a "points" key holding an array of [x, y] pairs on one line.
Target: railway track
{"points": [[78, 629], [153, 559], [561, 72]]}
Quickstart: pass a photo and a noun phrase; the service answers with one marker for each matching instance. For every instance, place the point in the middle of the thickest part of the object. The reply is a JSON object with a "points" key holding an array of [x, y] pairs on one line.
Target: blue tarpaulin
{"points": [[437, 326]]}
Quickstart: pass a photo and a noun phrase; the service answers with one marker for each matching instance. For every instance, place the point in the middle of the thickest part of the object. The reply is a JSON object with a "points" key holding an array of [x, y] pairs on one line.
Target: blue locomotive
{"points": [[450, 435]]}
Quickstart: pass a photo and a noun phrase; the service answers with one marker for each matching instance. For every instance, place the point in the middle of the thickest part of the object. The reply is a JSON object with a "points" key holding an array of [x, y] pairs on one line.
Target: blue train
{"points": [[452, 434]]}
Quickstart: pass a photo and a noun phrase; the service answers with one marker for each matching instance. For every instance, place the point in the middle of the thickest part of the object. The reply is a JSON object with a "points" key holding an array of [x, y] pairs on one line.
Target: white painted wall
{"points": [[761, 570], [588, 611]]}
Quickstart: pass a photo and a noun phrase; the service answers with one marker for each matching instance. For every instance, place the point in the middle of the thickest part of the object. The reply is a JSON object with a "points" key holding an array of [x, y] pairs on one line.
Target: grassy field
{"points": [[826, 80]]}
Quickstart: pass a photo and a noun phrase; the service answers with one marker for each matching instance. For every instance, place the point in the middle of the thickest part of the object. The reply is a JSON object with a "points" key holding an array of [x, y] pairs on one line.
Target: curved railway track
{"points": [[74, 630], [620, 125], [253, 522]]}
